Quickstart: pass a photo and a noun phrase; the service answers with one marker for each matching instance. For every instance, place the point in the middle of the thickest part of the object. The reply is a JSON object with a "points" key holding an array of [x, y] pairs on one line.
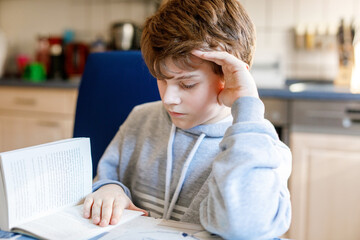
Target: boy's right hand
{"points": [[106, 205], [238, 81]]}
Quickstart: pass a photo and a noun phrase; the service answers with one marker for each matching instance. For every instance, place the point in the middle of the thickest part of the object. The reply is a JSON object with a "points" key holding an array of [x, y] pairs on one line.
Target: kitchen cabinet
{"points": [[325, 186], [325, 180], [35, 115]]}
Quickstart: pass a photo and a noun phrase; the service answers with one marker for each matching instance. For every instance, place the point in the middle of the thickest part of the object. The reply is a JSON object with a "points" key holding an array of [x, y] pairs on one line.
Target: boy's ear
{"points": [[222, 81]]}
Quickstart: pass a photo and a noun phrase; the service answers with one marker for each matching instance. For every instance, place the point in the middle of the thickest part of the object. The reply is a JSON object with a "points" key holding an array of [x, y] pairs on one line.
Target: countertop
{"points": [[293, 89], [55, 83], [311, 90]]}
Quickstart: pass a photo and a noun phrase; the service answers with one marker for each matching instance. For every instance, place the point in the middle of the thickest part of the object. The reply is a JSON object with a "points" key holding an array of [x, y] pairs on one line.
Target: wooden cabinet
{"points": [[34, 115], [325, 186]]}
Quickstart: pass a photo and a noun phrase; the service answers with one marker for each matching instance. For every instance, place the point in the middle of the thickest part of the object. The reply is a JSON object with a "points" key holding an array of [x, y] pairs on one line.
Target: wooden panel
{"points": [[333, 195], [38, 99], [325, 187], [31, 115], [19, 132]]}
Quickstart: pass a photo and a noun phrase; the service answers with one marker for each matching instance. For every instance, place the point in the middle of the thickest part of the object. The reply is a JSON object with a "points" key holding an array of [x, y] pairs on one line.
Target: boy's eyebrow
{"points": [[186, 76]]}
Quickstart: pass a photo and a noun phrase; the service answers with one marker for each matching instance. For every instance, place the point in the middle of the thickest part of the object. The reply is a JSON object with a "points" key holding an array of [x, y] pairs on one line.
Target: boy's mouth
{"points": [[176, 114]]}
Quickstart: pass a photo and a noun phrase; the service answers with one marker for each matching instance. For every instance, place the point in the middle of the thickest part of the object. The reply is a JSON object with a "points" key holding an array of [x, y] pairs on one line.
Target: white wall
{"points": [[275, 21], [23, 20]]}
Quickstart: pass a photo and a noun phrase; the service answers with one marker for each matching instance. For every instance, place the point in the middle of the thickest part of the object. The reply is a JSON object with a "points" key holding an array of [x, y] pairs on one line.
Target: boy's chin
{"points": [[183, 124]]}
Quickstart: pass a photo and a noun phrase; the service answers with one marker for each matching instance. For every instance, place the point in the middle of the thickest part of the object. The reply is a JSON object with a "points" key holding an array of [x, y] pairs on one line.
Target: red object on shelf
{"points": [[22, 61], [75, 58], [55, 40]]}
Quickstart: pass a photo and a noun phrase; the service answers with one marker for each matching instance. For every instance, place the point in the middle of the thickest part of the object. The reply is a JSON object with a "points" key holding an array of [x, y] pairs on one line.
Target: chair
{"points": [[112, 84]]}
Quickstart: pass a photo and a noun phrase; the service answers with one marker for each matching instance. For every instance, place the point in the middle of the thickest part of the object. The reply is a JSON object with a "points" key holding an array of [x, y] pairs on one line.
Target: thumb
{"points": [[135, 208]]}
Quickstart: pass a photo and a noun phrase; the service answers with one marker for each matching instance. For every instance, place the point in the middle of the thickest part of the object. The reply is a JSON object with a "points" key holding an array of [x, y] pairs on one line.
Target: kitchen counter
{"points": [[56, 83], [310, 106], [310, 91]]}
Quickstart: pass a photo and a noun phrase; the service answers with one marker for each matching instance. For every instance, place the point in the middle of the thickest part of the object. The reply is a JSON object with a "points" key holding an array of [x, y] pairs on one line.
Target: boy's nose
{"points": [[171, 96]]}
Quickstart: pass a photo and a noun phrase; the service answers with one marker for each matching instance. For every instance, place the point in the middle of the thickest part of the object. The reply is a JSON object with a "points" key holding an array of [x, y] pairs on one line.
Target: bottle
{"points": [[43, 52], [310, 37], [341, 43], [346, 54], [57, 68], [331, 35], [300, 37], [320, 37], [99, 45]]}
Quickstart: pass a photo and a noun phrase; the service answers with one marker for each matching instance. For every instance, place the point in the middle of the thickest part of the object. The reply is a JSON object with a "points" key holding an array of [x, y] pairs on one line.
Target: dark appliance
{"points": [[277, 112], [125, 36]]}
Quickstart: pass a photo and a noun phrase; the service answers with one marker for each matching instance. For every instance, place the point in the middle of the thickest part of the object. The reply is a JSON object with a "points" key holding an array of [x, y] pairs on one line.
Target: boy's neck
{"points": [[225, 113]]}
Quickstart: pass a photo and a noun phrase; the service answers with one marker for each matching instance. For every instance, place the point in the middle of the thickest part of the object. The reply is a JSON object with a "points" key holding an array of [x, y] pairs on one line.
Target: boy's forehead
{"points": [[181, 65]]}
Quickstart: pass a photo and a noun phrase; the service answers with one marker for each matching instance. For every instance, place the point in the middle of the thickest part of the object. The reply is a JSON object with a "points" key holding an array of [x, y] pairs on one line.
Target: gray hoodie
{"points": [[230, 176]]}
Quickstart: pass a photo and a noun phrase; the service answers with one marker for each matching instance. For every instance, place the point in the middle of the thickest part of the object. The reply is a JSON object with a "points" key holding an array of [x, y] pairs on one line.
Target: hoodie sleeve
{"points": [[248, 194], [108, 168]]}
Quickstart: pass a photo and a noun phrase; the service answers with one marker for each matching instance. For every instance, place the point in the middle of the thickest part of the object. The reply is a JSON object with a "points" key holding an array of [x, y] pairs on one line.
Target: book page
{"points": [[42, 179], [3, 205], [69, 224], [151, 228]]}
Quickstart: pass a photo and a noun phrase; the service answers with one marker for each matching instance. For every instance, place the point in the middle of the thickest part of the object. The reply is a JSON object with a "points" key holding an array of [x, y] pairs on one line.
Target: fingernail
{"points": [[114, 221], [96, 220], [103, 222]]}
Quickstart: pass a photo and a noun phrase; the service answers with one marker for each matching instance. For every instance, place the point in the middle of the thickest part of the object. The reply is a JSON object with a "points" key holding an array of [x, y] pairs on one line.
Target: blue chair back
{"points": [[112, 84]]}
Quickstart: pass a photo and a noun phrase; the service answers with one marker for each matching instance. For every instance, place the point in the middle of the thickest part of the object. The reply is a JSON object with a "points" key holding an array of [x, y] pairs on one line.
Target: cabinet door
{"points": [[18, 132], [325, 187]]}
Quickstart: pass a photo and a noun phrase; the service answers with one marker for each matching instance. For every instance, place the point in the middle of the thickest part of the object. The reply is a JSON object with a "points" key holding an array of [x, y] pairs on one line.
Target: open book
{"points": [[41, 187]]}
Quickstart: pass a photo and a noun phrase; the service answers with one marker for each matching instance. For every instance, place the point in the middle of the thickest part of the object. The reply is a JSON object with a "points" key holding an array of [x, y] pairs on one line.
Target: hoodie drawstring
{"points": [[168, 169], [168, 207]]}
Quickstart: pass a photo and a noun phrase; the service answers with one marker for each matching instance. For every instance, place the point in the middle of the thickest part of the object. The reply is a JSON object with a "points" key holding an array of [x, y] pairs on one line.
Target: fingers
{"points": [[135, 208], [221, 58], [96, 211], [118, 209], [106, 212], [87, 206], [106, 205]]}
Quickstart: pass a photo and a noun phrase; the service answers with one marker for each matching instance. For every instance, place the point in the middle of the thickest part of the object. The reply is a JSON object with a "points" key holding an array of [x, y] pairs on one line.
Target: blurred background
{"points": [[306, 67], [311, 53]]}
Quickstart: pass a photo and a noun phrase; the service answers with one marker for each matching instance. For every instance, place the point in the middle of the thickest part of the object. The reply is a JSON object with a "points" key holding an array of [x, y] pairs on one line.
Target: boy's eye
{"points": [[188, 85]]}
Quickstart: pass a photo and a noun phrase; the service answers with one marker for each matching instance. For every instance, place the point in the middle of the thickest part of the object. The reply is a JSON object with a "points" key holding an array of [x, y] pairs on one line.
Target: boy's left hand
{"points": [[238, 80]]}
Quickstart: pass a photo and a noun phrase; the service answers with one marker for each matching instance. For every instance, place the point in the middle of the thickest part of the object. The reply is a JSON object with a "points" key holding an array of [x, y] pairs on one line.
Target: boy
{"points": [[205, 154]]}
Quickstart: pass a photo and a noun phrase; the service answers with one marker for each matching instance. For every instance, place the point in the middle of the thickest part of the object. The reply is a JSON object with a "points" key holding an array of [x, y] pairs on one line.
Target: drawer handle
{"points": [[48, 124], [25, 101], [353, 111]]}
